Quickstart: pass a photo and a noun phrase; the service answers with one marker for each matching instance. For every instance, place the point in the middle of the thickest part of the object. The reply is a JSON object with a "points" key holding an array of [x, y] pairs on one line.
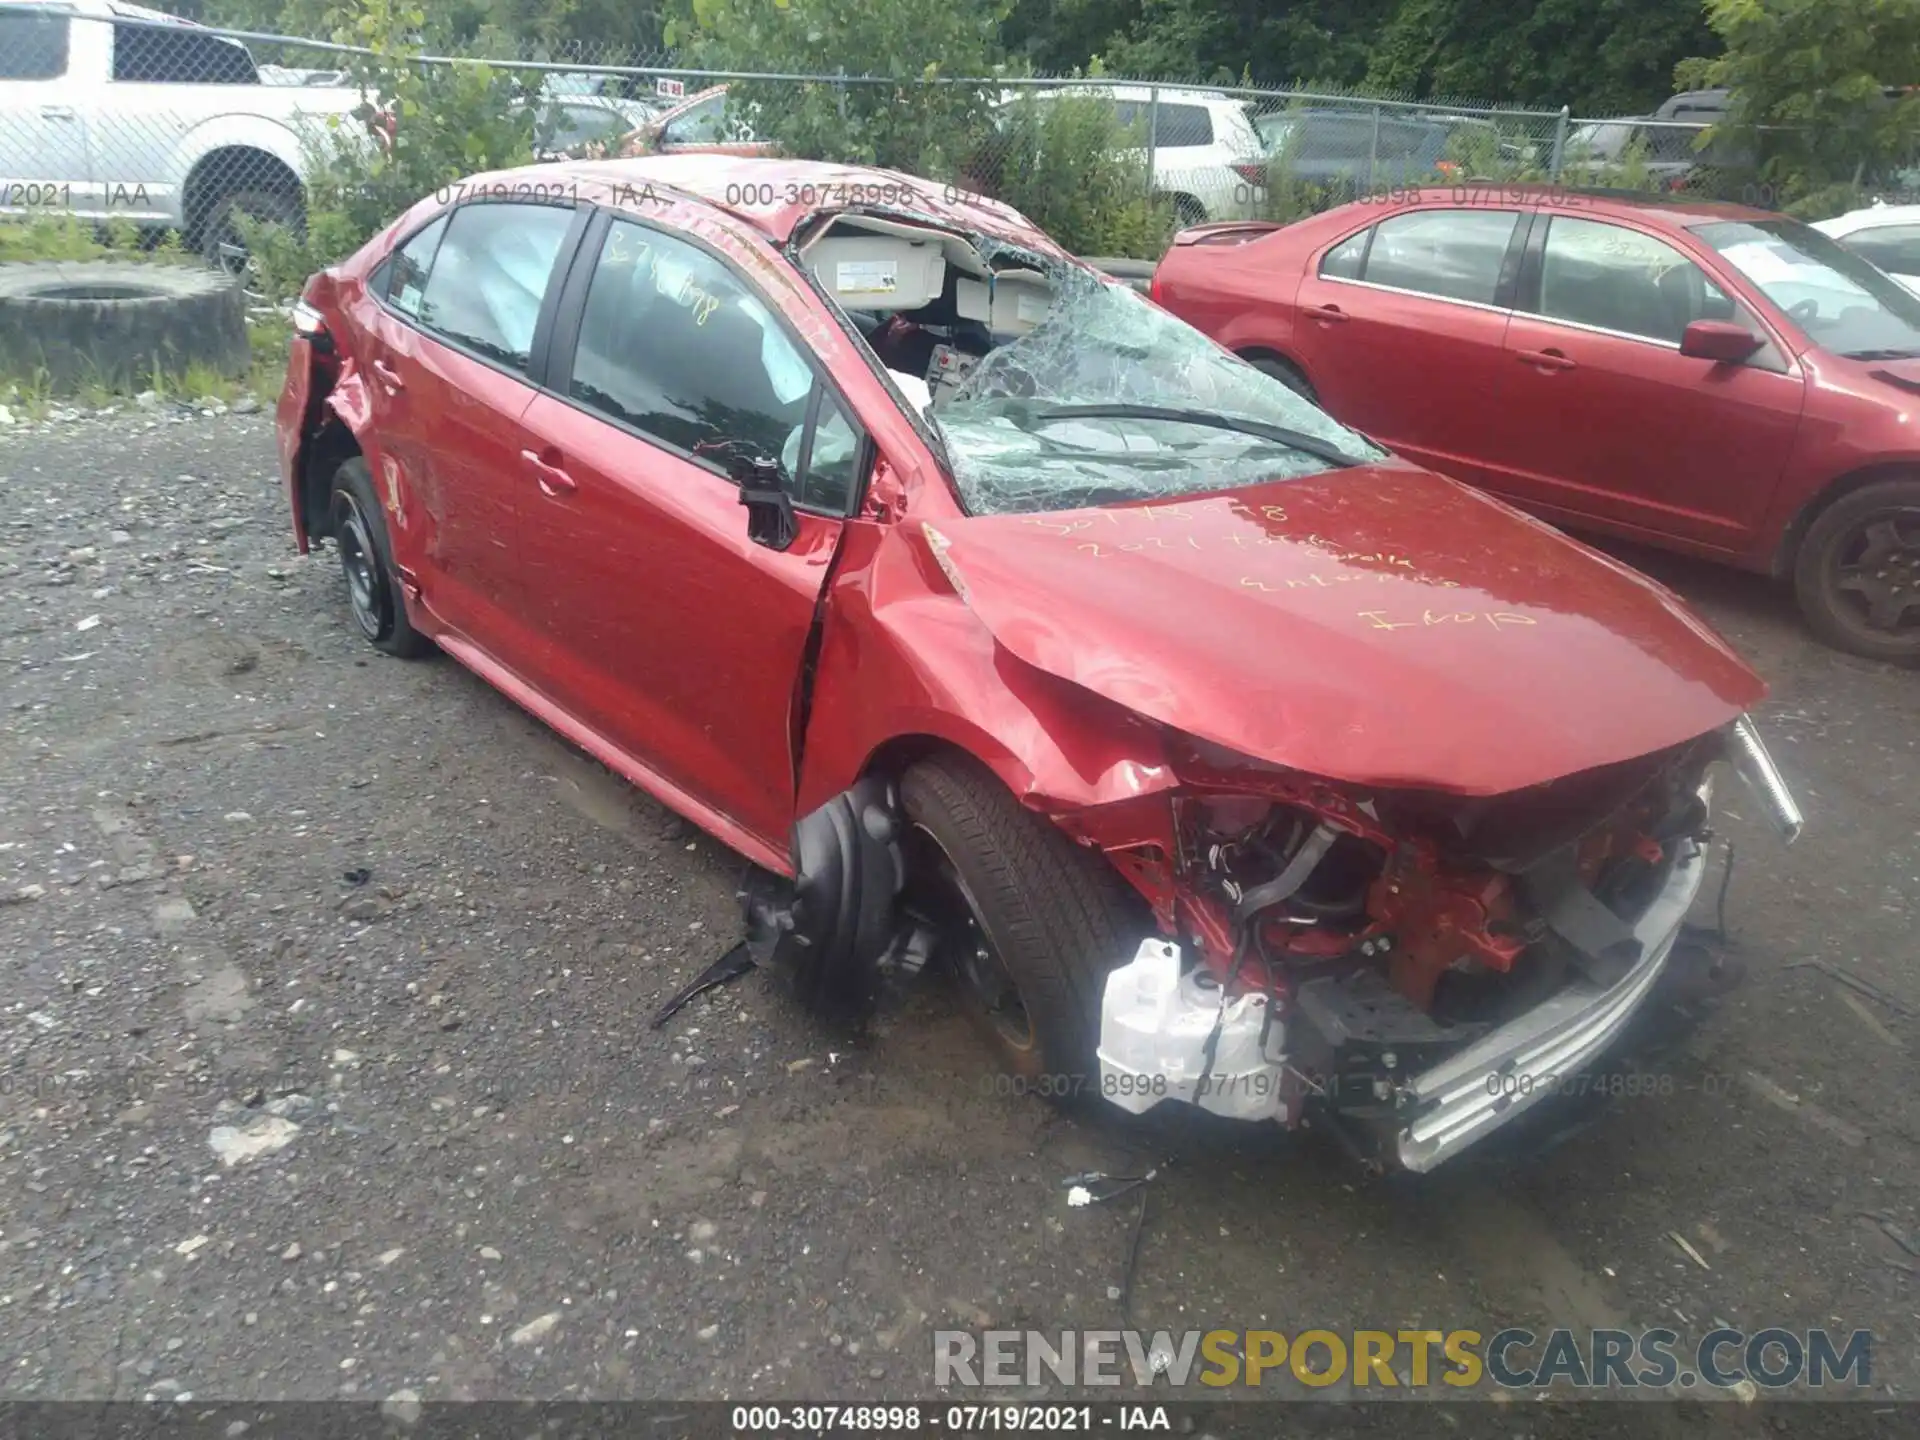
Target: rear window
{"points": [[177, 55], [1174, 124]]}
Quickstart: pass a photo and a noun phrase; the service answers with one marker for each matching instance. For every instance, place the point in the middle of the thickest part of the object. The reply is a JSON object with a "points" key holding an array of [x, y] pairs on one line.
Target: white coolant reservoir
{"points": [[1154, 1024]]}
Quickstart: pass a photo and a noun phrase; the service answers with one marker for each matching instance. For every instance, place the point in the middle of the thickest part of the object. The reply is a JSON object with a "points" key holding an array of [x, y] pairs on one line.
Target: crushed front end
{"points": [[1411, 969]]}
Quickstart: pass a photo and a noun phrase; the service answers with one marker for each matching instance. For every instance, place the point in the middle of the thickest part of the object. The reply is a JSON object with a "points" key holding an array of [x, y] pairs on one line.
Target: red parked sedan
{"points": [[1011, 624], [1710, 378]]}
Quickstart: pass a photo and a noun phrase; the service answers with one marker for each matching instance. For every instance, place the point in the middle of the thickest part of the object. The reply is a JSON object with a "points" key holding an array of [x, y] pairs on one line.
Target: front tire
{"points": [[1035, 921], [366, 560], [1857, 575]]}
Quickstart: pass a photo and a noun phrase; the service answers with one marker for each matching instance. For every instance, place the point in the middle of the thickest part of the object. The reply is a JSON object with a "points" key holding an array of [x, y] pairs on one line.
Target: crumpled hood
{"points": [[1380, 625]]}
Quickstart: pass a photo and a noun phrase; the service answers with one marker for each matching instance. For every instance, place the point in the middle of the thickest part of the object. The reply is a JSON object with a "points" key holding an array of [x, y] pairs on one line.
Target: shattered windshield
{"points": [[1109, 399]]}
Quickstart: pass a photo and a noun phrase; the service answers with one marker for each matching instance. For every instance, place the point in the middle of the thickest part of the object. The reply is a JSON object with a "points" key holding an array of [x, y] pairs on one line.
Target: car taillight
{"points": [[1254, 173], [1153, 288], [311, 325], [384, 128]]}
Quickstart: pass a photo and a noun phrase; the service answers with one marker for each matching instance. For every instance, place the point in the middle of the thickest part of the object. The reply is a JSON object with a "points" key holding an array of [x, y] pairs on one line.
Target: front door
{"points": [[1400, 328], [668, 631], [1611, 422]]}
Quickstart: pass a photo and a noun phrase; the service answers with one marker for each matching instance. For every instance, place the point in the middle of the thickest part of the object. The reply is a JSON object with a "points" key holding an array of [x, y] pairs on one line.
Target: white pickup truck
{"points": [[113, 111]]}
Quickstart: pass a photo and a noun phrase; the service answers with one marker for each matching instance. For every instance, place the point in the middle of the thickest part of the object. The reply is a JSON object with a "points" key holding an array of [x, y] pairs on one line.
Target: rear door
{"points": [[1400, 326], [1607, 421], [167, 81], [450, 345], [668, 632]]}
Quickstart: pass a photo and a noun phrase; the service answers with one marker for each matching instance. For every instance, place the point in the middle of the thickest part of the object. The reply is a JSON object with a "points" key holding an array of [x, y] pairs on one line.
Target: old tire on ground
{"points": [[1037, 921], [1286, 373], [117, 321], [1857, 574], [366, 560]]}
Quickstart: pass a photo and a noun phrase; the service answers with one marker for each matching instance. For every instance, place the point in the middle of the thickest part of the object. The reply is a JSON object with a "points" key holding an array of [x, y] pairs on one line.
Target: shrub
{"points": [[1068, 165], [440, 123]]}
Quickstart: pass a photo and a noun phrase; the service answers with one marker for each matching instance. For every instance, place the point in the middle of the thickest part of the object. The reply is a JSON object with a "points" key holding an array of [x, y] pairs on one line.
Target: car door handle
{"points": [[388, 377], [1545, 359], [56, 112], [554, 482], [1329, 314]]}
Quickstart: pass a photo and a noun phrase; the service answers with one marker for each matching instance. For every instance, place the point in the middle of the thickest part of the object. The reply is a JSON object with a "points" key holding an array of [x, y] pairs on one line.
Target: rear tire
{"points": [[1857, 575], [1055, 916], [366, 560], [223, 244], [1287, 373]]}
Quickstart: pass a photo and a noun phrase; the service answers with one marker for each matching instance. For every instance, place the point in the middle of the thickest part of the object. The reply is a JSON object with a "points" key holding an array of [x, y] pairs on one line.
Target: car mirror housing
{"points": [[1721, 341], [763, 491]]}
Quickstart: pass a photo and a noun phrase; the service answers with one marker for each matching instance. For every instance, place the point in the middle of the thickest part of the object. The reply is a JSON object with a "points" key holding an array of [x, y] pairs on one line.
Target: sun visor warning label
{"points": [[867, 277]]}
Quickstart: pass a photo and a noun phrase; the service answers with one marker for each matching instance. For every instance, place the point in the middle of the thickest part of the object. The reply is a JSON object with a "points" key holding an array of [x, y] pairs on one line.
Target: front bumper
{"points": [[1154, 1026], [1458, 1101]]}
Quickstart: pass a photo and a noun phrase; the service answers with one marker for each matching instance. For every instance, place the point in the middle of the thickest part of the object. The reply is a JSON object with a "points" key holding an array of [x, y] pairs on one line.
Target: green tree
{"points": [[1809, 81], [1600, 57], [915, 124], [1273, 41]]}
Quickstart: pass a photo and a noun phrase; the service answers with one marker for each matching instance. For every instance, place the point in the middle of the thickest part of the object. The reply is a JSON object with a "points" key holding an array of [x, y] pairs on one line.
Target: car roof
{"points": [[1167, 93], [1675, 211], [736, 183], [1871, 218]]}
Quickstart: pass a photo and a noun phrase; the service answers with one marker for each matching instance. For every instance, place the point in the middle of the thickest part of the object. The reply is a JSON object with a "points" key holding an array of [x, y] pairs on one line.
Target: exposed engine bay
{"points": [[1379, 961], [1364, 938]]}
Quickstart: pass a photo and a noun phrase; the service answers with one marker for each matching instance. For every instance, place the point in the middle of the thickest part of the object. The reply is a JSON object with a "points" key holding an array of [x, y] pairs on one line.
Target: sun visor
{"points": [[879, 272]]}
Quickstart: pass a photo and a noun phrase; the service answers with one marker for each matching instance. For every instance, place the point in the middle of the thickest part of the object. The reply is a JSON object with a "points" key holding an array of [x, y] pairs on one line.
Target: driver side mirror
{"points": [[763, 491], [1720, 341]]}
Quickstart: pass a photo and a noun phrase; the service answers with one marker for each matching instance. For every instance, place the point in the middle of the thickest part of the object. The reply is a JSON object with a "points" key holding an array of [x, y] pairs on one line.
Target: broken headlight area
{"points": [[1337, 947]]}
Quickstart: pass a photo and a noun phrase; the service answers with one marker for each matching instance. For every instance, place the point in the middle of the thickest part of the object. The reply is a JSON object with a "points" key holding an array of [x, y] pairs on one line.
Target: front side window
{"points": [[490, 275], [1613, 278], [1841, 301], [1450, 254], [176, 55], [33, 45], [675, 345]]}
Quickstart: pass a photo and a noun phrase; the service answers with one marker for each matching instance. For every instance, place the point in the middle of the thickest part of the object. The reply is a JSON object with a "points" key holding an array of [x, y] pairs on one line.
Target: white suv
{"points": [[1207, 157]]}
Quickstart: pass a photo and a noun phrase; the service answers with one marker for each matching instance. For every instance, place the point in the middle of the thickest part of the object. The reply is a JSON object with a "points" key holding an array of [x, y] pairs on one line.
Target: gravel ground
{"points": [[327, 1069]]}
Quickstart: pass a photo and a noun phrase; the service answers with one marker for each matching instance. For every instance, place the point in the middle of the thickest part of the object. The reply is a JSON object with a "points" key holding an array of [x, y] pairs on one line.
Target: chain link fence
{"points": [[108, 119]]}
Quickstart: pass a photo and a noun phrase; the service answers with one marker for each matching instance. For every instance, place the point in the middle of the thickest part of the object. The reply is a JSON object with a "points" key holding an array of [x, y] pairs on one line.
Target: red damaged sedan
{"points": [[1010, 625], [1710, 378]]}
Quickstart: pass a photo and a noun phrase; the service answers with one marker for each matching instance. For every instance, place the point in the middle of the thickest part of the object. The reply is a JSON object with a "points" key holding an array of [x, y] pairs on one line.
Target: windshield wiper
{"points": [[1280, 434], [1880, 354]]}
